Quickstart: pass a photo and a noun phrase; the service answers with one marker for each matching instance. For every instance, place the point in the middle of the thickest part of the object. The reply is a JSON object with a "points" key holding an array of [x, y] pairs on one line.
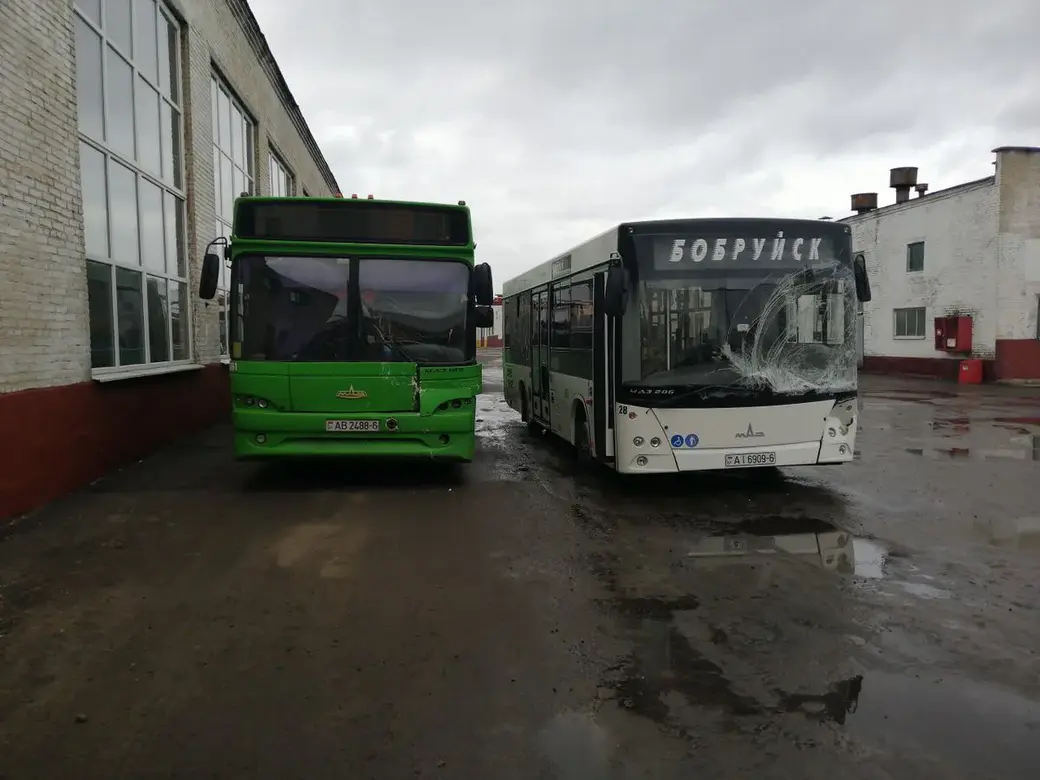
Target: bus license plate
{"points": [[745, 459], [351, 426]]}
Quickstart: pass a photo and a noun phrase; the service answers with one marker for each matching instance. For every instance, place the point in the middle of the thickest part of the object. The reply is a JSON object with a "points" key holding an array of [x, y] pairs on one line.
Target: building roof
{"points": [[242, 12], [945, 192]]}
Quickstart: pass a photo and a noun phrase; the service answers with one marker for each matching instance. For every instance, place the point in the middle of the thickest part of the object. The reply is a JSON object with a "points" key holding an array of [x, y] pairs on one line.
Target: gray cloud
{"points": [[555, 118]]}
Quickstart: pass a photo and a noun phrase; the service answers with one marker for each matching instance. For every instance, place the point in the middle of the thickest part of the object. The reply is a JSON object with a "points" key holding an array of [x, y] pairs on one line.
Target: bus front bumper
{"points": [[263, 433]]}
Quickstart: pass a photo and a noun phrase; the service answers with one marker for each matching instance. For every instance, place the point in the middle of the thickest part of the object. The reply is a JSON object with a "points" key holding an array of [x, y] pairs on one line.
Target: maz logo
{"points": [[750, 433]]}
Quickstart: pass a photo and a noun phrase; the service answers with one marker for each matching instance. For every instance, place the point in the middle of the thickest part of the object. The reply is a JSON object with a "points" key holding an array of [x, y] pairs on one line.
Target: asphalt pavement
{"points": [[193, 617]]}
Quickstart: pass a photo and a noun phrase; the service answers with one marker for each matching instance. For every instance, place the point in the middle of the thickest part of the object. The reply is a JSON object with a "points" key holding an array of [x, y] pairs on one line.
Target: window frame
{"points": [[907, 336], [910, 247], [171, 184], [276, 164], [218, 85]]}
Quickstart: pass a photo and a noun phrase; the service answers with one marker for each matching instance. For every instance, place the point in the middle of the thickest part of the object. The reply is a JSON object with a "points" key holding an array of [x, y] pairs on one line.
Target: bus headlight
{"points": [[655, 442], [638, 441], [262, 403], [641, 460]]}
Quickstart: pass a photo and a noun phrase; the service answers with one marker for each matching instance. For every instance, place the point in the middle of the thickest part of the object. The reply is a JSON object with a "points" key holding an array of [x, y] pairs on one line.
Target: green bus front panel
{"points": [[373, 409]]}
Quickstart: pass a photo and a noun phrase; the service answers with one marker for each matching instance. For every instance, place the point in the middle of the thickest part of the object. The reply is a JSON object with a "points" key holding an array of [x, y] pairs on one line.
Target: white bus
{"points": [[695, 344]]}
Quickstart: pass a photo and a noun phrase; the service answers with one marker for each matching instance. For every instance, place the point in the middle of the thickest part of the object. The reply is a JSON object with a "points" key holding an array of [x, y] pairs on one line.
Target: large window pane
{"points": [[146, 50], [167, 58], [240, 182], [238, 154], [122, 209], [227, 193], [158, 319], [149, 155], [91, 9], [88, 81], [153, 244], [171, 144], [179, 319], [224, 120], [173, 211], [130, 307], [117, 24], [95, 215], [120, 84], [99, 300], [214, 109]]}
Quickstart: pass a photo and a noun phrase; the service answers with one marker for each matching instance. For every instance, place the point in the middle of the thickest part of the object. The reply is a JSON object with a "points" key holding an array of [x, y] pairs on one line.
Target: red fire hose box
{"points": [[970, 373]]}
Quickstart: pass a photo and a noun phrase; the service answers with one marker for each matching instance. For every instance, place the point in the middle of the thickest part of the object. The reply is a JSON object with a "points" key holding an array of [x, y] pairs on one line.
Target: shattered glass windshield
{"points": [[757, 313], [790, 334]]}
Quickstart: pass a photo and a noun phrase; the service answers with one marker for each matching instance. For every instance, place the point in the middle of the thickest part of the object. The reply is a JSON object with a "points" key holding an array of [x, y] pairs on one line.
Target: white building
{"points": [[127, 127], [972, 250]]}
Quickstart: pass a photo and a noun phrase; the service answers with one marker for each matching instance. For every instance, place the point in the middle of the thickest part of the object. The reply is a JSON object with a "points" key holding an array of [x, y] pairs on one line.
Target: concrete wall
{"points": [[63, 420]]}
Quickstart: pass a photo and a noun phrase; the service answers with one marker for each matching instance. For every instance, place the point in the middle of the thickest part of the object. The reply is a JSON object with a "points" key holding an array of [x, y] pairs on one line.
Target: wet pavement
{"points": [[195, 617]]}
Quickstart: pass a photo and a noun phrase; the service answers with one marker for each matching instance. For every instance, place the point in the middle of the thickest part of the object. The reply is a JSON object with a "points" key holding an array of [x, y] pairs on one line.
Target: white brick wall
{"points": [[982, 257], [959, 228], [43, 285], [44, 336]]}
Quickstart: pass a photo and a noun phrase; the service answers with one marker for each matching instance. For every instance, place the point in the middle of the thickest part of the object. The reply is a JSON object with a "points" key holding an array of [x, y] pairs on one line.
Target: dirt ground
{"points": [[192, 617]]}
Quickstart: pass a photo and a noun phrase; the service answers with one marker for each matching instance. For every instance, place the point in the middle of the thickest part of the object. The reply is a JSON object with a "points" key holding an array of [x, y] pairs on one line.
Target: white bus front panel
{"points": [[671, 440]]}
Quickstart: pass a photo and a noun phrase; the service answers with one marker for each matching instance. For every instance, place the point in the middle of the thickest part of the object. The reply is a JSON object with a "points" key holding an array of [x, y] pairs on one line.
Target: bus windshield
{"points": [[295, 308], [787, 332]]}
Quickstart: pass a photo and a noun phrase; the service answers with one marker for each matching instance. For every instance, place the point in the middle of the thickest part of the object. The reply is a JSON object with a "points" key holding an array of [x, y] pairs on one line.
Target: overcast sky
{"points": [[555, 118]]}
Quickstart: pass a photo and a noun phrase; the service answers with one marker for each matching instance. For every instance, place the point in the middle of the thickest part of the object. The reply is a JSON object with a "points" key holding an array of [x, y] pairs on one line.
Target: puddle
{"points": [[495, 420], [1020, 532], [1025, 447], [978, 727], [815, 543]]}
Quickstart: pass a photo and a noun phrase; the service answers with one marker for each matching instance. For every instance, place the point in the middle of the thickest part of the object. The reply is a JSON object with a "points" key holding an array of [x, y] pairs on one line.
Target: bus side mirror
{"points": [[484, 317], [483, 287], [859, 270], [209, 277], [615, 296]]}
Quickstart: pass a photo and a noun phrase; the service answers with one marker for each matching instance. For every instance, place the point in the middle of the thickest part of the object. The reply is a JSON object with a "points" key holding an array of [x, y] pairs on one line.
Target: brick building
{"points": [[127, 127], [971, 250]]}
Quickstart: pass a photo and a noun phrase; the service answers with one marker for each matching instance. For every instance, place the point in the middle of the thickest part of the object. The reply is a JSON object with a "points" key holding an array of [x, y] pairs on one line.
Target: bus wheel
{"points": [[582, 450], [525, 411]]}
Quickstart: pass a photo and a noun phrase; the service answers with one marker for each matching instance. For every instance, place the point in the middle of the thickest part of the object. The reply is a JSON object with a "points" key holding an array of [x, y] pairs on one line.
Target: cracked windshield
{"points": [[297, 309], [788, 334], [541, 390]]}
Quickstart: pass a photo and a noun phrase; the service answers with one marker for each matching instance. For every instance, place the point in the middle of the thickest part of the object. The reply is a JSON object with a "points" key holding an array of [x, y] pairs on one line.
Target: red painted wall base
{"points": [[1018, 359], [1014, 359], [54, 440]]}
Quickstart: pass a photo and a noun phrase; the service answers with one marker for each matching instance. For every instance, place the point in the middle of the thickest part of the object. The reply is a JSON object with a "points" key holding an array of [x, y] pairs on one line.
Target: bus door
{"points": [[540, 356]]}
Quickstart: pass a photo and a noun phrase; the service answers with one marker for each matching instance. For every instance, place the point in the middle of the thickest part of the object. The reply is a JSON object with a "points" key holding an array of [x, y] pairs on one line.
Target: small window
{"points": [[909, 323], [915, 257]]}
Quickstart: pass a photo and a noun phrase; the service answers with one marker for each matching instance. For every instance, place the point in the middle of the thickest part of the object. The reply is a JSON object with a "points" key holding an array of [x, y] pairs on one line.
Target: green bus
{"points": [[353, 327]]}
